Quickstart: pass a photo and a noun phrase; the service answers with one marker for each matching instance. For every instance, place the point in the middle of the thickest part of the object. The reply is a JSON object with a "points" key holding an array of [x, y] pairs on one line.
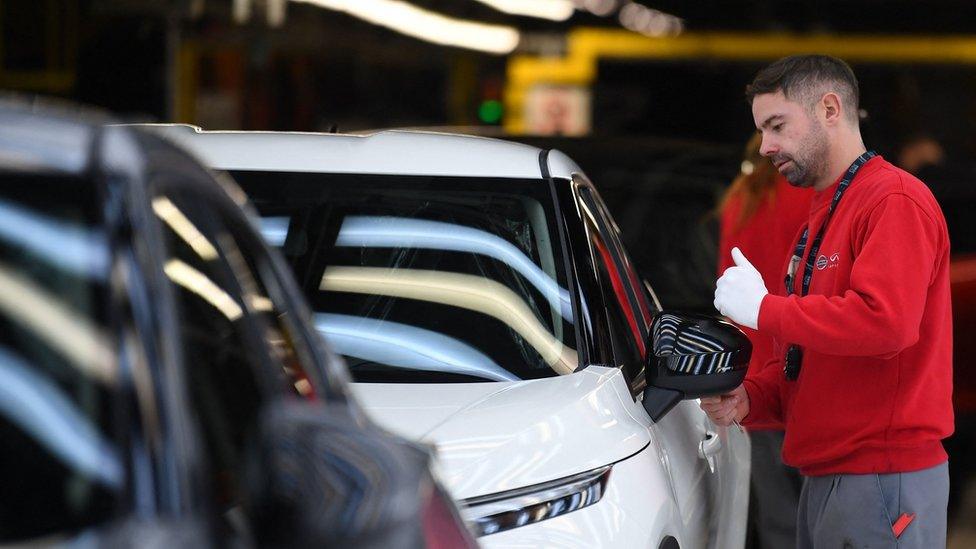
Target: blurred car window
{"points": [[230, 300], [61, 468], [221, 360]]}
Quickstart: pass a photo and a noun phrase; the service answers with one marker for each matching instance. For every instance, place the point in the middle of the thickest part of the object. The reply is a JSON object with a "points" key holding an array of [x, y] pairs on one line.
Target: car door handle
{"points": [[709, 447]]}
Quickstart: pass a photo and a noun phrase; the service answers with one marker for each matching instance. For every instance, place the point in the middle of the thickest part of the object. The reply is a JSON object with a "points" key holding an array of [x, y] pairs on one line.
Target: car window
{"points": [[628, 310], [240, 347], [61, 467], [642, 295], [262, 298], [426, 279], [221, 361]]}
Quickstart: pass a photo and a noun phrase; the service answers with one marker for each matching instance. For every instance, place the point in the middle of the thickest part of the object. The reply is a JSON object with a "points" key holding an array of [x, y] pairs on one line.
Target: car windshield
{"points": [[60, 468], [426, 279]]}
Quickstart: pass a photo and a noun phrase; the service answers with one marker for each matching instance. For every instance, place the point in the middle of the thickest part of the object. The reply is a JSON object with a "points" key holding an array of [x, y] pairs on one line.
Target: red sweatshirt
{"points": [[874, 391], [766, 239]]}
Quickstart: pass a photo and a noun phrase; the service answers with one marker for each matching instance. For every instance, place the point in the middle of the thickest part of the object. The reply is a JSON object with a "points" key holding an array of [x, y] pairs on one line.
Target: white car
{"points": [[484, 304]]}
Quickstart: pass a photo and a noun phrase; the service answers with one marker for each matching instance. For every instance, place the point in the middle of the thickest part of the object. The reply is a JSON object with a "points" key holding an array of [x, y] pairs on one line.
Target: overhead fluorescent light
{"points": [[411, 20], [600, 7], [554, 10], [649, 22]]}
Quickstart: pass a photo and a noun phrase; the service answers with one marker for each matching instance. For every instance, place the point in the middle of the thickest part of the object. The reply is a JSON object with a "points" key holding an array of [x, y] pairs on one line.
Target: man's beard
{"points": [[810, 160]]}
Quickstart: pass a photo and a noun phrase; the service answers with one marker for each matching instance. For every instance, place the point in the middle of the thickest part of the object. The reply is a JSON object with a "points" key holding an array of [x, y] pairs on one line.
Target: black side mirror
{"points": [[691, 356], [318, 478]]}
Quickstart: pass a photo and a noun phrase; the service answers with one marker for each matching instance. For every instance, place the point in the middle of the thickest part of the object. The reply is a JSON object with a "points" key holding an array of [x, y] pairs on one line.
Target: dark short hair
{"points": [[805, 78]]}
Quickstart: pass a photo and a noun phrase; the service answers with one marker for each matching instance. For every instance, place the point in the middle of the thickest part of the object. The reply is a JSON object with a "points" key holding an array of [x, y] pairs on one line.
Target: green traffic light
{"points": [[490, 111]]}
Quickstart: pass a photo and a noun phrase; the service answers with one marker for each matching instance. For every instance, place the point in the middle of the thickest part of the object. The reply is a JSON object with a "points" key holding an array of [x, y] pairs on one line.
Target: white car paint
{"points": [[387, 152], [636, 511], [495, 436]]}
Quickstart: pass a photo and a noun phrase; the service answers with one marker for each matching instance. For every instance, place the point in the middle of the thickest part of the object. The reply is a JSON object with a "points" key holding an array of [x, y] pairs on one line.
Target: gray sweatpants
{"points": [[776, 488], [857, 511]]}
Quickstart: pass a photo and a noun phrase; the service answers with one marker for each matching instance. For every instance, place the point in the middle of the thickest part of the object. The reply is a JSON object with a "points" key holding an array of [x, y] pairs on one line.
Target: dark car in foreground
{"points": [[160, 381]]}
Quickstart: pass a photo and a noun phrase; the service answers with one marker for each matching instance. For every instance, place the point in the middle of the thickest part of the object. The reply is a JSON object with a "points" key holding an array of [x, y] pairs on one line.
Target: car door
{"points": [[692, 444]]}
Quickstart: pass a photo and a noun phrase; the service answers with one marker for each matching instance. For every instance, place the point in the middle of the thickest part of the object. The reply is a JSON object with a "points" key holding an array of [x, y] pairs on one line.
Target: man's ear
{"points": [[831, 105]]}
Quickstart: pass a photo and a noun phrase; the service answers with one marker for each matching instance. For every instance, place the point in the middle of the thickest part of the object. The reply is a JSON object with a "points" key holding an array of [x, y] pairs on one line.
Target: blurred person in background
{"points": [[919, 152], [761, 214]]}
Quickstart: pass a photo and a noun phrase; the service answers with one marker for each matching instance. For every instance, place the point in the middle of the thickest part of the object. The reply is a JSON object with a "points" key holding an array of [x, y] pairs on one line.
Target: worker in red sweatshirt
{"points": [[861, 372]]}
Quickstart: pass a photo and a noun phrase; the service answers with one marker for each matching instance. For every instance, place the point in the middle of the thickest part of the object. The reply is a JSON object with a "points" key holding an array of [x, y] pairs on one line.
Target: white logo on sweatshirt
{"points": [[824, 263]]}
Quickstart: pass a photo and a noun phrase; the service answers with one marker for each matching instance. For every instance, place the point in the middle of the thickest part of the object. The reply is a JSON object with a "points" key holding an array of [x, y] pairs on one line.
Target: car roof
{"points": [[401, 152], [47, 140]]}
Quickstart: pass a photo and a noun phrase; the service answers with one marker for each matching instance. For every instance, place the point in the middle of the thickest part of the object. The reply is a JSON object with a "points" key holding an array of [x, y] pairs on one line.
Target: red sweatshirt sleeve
{"points": [[896, 248], [765, 396]]}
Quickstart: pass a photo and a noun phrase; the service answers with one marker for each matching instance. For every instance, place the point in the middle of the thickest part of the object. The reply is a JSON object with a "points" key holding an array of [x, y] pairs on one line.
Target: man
{"points": [[862, 374]]}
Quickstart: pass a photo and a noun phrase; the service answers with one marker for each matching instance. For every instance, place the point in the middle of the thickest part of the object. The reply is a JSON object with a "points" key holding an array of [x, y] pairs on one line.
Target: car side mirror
{"points": [[691, 356], [317, 477]]}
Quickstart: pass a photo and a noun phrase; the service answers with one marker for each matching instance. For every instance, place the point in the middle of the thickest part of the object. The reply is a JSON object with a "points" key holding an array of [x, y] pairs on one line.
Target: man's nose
{"points": [[768, 147]]}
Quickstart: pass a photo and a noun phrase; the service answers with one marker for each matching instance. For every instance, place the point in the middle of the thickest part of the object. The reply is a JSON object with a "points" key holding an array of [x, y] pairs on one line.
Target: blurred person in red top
{"points": [[761, 214]]}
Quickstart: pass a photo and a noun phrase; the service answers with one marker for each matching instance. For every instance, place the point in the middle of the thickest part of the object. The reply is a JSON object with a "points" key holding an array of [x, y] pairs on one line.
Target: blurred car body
{"points": [[483, 299], [160, 381]]}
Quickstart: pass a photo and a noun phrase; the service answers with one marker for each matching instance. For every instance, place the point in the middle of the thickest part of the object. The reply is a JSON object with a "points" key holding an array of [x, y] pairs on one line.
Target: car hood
{"points": [[492, 437]]}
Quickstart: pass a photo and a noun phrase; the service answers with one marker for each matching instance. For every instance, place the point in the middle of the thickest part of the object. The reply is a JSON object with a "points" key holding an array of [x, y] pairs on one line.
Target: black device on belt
{"points": [[794, 355]]}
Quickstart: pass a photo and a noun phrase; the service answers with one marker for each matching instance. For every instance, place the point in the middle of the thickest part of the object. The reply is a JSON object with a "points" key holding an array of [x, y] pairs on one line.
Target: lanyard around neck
{"points": [[794, 356], [815, 247]]}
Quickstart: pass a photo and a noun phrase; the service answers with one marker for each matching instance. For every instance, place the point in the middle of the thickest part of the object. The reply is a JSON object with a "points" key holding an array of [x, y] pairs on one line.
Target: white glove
{"points": [[740, 292]]}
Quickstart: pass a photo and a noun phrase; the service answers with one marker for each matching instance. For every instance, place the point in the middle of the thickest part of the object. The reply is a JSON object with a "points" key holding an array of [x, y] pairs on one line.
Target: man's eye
{"points": [[778, 127]]}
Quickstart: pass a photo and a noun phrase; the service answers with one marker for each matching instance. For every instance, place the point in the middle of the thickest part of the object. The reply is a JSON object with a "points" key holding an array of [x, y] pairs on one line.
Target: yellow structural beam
{"points": [[187, 83], [43, 81], [586, 46]]}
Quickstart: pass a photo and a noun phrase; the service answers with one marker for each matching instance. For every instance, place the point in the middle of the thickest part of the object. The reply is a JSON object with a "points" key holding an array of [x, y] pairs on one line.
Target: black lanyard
{"points": [[794, 357]]}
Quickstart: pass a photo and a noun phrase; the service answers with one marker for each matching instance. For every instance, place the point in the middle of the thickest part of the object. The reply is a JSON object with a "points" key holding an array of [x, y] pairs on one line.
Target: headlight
{"points": [[506, 510]]}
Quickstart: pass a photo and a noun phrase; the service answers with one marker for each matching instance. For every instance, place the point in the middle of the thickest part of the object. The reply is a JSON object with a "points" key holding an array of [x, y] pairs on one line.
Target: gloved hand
{"points": [[740, 292]]}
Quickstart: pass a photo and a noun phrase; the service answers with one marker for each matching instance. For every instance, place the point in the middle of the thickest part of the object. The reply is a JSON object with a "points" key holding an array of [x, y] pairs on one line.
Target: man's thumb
{"points": [[739, 259]]}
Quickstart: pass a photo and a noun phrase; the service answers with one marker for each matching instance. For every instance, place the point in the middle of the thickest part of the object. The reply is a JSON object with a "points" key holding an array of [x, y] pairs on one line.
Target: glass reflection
{"points": [[69, 247], [686, 348], [274, 230], [405, 346], [41, 410], [60, 468], [399, 232], [172, 216], [198, 283], [458, 290], [48, 318]]}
